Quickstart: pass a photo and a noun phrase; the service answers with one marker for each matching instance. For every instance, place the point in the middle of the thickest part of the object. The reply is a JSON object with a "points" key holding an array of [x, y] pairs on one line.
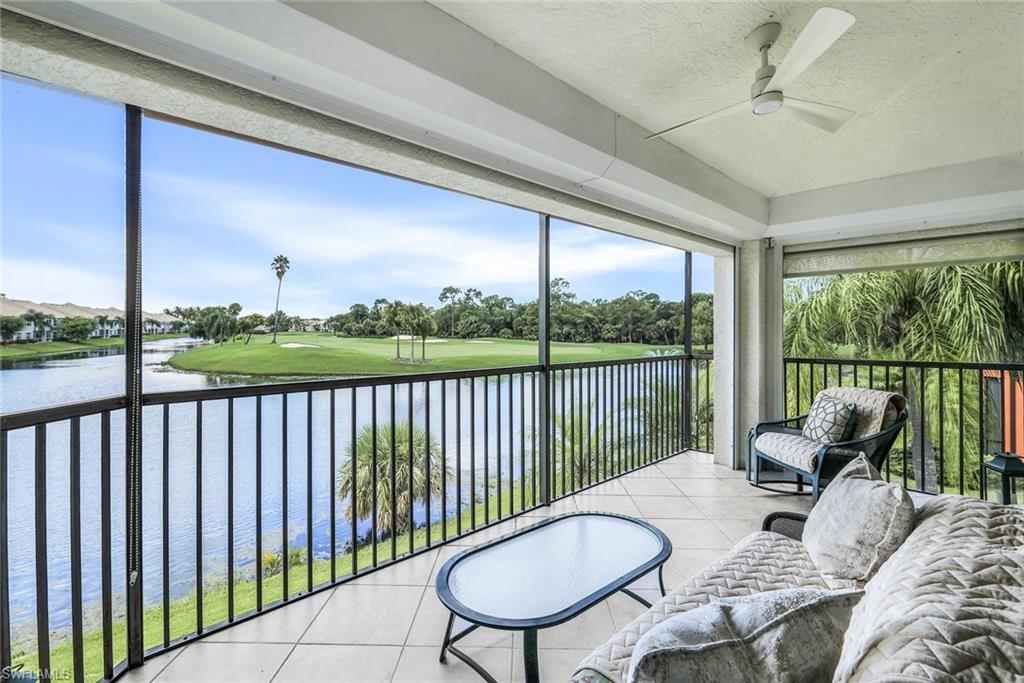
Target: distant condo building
{"points": [[109, 321]]}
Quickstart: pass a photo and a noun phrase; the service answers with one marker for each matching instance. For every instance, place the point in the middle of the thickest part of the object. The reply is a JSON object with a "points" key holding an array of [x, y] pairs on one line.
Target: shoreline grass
{"points": [[328, 355], [58, 348]]}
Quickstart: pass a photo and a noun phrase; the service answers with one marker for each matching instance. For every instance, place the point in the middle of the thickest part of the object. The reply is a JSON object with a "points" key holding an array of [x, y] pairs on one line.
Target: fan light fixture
{"points": [[766, 93]]}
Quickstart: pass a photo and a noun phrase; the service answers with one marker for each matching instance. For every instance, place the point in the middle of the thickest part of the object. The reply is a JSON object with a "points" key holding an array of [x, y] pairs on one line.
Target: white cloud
{"points": [[53, 282]]}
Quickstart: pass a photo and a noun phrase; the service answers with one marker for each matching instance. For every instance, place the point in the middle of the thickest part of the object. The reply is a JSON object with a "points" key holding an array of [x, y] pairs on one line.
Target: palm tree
{"points": [[367, 459], [966, 313], [393, 317], [421, 322], [280, 266], [450, 294], [39, 321]]}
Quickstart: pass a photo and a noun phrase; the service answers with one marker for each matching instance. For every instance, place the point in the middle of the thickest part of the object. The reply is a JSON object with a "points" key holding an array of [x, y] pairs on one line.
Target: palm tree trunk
{"points": [[423, 347], [922, 452], [453, 319], [277, 305]]}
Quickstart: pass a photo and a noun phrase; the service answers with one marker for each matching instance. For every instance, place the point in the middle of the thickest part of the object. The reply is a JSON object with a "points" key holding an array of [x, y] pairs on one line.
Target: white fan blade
{"points": [[721, 113], [824, 116], [824, 28]]}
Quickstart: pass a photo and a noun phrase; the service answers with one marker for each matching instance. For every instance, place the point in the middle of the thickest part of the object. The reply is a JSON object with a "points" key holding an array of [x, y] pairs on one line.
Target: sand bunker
{"points": [[479, 341], [297, 345]]}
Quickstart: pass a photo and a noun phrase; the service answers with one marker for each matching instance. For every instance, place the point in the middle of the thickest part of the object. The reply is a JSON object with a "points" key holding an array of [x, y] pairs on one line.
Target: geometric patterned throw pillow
{"points": [[829, 420]]}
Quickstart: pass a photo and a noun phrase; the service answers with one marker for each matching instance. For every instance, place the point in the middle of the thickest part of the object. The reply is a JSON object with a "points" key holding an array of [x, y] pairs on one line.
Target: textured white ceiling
{"points": [[933, 84]]}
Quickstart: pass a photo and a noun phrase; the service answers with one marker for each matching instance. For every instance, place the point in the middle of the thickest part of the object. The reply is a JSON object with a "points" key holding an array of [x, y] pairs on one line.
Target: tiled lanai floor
{"points": [[388, 626]]}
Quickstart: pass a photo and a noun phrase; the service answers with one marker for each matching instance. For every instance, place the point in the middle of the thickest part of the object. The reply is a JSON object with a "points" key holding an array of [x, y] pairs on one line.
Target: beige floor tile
{"points": [[559, 507], [698, 456], [554, 665], [282, 625], [737, 529], [366, 615], [488, 534], [340, 663], [659, 486], [151, 669], [693, 533], [620, 505], [687, 470], [421, 664], [719, 487], [625, 609], [203, 661], [726, 472], [648, 472], [432, 618], [750, 507], [608, 488], [677, 506], [443, 555], [413, 571], [585, 631]]}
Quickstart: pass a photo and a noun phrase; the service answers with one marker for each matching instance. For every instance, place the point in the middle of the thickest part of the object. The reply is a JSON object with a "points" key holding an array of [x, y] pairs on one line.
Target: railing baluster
{"points": [[472, 453], [309, 490], [511, 448], [373, 474], [106, 588], [354, 465], [42, 581], [5, 590], [165, 504], [75, 495], [487, 451], [332, 465], [981, 432], [444, 460], [409, 467], [522, 440], [458, 457], [394, 479], [497, 434], [285, 563], [960, 453], [231, 509], [259, 503], [199, 517], [428, 454], [942, 432]]}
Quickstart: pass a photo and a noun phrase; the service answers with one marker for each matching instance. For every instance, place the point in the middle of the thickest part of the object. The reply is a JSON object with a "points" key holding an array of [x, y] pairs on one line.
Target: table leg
{"points": [[447, 638], [530, 665]]}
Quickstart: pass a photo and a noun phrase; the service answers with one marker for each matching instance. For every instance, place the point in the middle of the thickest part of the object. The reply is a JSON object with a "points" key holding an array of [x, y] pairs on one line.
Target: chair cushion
{"points": [[763, 561], [876, 409], [791, 449], [858, 523], [829, 420], [750, 638], [949, 604]]}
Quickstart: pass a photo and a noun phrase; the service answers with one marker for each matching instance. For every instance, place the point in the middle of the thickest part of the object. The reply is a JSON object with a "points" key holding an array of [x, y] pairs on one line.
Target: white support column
{"points": [[748, 345], [725, 359]]}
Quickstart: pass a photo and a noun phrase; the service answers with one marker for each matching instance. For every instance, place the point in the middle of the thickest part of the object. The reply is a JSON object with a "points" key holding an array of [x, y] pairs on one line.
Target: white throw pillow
{"points": [[786, 635], [859, 521]]}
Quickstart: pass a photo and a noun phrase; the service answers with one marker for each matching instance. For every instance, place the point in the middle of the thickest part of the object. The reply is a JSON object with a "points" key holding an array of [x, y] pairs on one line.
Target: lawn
{"points": [[37, 349], [329, 355]]}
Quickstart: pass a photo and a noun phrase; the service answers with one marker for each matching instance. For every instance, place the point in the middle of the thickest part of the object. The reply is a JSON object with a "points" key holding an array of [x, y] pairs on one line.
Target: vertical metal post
{"points": [[133, 379], [688, 347], [544, 355]]}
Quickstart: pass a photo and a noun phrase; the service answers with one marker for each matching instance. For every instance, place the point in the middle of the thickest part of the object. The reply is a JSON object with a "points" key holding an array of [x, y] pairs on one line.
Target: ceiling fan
{"points": [[824, 28]]}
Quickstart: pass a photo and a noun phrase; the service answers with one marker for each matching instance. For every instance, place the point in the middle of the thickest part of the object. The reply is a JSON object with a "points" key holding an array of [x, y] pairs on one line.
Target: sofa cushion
{"points": [[859, 522], [949, 603], [829, 420], [749, 638], [791, 449], [763, 561]]}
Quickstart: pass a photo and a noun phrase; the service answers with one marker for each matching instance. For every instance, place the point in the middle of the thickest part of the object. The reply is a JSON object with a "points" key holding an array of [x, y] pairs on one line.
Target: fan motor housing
{"points": [[766, 103]]}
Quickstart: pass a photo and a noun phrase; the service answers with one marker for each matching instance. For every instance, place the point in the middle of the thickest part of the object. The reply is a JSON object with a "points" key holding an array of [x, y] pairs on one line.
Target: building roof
{"points": [[68, 310]]}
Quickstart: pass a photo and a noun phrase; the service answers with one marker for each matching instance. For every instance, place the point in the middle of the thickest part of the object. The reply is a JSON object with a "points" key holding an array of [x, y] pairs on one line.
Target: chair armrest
{"points": [[777, 423], [853, 443], [789, 524]]}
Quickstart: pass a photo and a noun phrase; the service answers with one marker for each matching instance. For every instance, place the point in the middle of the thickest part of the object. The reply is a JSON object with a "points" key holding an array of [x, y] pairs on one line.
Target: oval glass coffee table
{"points": [[546, 574]]}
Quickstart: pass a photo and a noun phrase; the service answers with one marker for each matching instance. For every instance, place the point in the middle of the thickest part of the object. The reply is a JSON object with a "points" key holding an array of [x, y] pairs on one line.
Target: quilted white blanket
{"points": [[949, 604]]}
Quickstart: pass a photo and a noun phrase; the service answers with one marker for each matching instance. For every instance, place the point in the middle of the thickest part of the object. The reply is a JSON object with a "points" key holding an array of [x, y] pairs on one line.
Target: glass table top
{"points": [[550, 567]]}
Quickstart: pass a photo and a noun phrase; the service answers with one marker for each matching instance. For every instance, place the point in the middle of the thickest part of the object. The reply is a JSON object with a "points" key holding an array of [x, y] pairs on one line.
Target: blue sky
{"points": [[216, 210]]}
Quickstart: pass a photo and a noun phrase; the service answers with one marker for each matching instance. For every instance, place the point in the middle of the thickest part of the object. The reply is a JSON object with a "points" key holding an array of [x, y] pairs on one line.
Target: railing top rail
{"points": [[575, 365], [249, 390], [66, 411], [952, 365]]}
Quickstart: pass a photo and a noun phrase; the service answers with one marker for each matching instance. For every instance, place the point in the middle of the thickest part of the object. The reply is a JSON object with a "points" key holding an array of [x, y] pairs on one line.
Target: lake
{"points": [[34, 383]]}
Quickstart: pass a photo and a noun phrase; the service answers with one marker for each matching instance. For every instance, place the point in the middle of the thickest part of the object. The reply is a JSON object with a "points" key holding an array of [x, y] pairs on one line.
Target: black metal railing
{"points": [[254, 496], [959, 413]]}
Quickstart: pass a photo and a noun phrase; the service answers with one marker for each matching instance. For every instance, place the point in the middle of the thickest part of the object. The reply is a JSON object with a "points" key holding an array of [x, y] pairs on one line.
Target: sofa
{"points": [[947, 605]]}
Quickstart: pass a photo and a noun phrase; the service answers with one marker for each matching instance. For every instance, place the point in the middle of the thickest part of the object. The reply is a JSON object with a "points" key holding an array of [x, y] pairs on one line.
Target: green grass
{"points": [[374, 356], [215, 596], [37, 349]]}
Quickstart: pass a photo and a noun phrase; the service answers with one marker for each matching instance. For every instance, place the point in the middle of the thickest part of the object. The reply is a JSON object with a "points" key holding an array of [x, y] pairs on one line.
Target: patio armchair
{"points": [[880, 415]]}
